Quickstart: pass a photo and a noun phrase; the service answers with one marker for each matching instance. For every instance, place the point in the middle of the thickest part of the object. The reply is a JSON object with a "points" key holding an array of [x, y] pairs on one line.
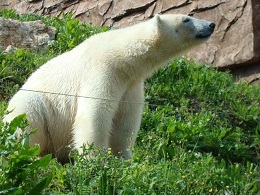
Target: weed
{"points": [[20, 167]]}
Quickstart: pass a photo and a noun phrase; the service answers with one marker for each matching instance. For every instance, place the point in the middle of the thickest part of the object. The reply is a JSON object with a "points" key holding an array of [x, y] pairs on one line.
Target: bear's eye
{"points": [[186, 20]]}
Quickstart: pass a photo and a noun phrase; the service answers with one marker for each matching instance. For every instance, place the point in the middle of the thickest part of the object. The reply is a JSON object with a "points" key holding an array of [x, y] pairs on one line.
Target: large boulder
{"points": [[235, 44], [33, 35]]}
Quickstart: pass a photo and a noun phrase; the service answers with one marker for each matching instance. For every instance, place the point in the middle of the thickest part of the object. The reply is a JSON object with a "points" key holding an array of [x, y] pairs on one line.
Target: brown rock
{"points": [[103, 6], [245, 74], [28, 7], [121, 9], [33, 35], [150, 11]]}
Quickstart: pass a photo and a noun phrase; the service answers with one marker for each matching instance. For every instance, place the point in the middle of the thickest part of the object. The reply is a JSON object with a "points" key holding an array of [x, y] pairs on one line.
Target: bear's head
{"points": [[181, 32]]}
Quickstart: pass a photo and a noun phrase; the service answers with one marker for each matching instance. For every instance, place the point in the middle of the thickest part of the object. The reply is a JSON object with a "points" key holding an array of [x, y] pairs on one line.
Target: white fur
{"points": [[111, 66]]}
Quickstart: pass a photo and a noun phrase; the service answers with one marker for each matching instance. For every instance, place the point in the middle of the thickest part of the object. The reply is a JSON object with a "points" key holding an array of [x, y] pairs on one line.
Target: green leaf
{"points": [[103, 182], [42, 162], [17, 122], [40, 186], [13, 190]]}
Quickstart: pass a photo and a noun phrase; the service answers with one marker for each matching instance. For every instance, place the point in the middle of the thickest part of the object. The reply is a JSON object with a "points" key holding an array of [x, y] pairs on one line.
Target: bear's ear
{"points": [[157, 19]]}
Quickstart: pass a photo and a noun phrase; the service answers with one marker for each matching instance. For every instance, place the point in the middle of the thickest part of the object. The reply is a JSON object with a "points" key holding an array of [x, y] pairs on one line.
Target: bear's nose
{"points": [[212, 25]]}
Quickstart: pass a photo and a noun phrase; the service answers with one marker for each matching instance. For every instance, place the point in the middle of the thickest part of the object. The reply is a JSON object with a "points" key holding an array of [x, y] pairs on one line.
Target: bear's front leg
{"points": [[127, 122], [93, 122]]}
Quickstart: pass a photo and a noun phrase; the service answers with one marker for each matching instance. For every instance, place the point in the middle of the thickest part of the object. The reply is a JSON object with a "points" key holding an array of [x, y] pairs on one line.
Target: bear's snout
{"points": [[206, 30], [212, 25]]}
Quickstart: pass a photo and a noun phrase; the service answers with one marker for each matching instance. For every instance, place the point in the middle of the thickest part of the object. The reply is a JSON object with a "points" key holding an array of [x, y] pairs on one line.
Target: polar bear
{"points": [[94, 93]]}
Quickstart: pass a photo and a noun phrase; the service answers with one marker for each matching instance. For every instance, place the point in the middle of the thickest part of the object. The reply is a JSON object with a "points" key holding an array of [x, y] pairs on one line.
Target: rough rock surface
{"points": [[235, 43], [31, 35]]}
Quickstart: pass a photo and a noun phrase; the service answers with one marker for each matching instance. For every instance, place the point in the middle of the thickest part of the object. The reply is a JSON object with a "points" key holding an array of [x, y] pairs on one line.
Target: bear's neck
{"points": [[142, 61], [145, 55]]}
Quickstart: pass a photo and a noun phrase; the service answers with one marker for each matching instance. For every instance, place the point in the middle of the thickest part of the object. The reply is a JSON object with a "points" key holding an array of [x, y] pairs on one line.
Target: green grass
{"points": [[199, 133]]}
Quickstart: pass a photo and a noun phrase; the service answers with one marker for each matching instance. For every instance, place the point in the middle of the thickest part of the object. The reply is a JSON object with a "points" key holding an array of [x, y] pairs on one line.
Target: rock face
{"points": [[235, 44], [33, 35]]}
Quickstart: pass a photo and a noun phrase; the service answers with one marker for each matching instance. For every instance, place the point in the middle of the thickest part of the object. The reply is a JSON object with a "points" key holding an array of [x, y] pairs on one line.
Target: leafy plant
{"points": [[16, 67], [11, 14], [20, 167], [202, 110]]}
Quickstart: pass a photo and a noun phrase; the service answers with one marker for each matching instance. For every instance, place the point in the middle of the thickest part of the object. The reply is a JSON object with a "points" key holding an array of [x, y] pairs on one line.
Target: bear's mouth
{"points": [[206, 32], [203, 34]]}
